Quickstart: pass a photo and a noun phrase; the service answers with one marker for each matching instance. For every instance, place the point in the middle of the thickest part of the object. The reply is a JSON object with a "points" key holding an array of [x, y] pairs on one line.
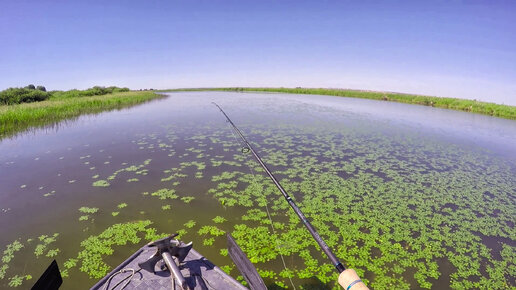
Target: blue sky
{"points": [[464, 49]]}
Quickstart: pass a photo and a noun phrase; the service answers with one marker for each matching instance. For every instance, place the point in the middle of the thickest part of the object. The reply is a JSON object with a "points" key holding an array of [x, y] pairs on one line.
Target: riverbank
{"points": [[473, 106], [17, 118]]}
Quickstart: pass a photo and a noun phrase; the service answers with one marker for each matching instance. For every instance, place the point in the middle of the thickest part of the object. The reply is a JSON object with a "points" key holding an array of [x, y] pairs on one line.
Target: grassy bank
{"points": [[502, 111], [17, 118]]}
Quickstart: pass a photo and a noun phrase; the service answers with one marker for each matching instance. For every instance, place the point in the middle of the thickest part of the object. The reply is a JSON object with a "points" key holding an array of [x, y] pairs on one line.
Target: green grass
{"points": [[491, 109], [17, 118]]}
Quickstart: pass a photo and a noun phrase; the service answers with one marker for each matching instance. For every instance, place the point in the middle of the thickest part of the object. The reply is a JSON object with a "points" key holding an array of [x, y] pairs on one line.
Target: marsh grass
{"points": [[473, 106], [17, 118]]}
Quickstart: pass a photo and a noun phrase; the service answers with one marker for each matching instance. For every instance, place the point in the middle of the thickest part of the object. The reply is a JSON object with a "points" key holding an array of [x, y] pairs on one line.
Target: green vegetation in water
{"points": [[209, 233], [60, 106], [187, 199], [165, 194], [190, 224], [474, 106], [424, 224], [219, 220], [49, 193], [16, 280], [8, 255], [87, 212], [211, 230], [403, 210], [44, 242], [90, 258], [136, 169]]}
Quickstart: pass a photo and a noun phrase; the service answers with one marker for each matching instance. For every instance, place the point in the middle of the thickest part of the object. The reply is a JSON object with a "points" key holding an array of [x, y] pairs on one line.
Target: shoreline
{"points": [[18, 118], [472, 106]]}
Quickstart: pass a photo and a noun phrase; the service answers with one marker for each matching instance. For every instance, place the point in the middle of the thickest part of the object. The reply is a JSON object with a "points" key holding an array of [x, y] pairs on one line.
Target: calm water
{"points": [[406, 194]]}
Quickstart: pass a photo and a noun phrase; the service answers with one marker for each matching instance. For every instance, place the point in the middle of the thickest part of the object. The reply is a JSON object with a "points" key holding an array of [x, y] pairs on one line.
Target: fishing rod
{"points": [[334, 260]]}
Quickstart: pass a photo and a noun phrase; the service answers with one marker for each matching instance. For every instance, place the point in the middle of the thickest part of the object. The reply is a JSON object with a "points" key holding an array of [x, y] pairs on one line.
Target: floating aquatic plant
{"points": [[208, 241], [190, 224], [219, 219], [52, 253], [100, 183], [210, 230], [223, 252], [187, 199], [8, 255], [44, 243], [16, 280], [165, 193], [95, 247], [49, 193], [89, 210], [136, 169], [359, 187], [227, 268]]}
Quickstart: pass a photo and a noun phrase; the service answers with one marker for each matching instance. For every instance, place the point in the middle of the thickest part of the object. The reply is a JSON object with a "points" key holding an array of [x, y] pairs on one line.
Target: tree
{"points": [[22, 95], [30, 87], [41, 88]]}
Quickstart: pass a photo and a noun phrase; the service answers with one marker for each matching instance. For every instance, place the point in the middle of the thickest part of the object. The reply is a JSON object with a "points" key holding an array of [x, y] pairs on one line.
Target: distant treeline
{"points": [[32, 93]]}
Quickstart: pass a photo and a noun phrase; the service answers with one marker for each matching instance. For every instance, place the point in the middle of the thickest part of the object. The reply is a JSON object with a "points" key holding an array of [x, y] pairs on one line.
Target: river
{"points": [[410, 196]]}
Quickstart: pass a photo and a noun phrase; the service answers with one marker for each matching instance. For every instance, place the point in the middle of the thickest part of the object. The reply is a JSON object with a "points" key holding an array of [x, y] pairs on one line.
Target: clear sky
{"points": [[464, 49]]}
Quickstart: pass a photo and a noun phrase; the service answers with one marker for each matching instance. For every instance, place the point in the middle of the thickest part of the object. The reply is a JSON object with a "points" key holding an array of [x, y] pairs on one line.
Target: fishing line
{"points": [[245, 150]]}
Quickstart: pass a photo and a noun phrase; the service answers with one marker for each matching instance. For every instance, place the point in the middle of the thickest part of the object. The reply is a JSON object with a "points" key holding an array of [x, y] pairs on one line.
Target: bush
{"points": [[95, 91], [33, 94], [116, 89], [22, 95]]}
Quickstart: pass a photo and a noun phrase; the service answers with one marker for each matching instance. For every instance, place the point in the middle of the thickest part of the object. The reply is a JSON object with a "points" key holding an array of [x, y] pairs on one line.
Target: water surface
{"points": [[410, 196]]}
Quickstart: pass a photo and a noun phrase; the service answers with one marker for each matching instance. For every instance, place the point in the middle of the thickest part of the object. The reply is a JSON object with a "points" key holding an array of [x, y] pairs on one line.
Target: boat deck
{"points": [[198, 271]]}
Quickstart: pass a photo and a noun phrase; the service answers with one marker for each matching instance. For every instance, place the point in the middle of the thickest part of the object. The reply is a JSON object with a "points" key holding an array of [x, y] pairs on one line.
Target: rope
{"points": [[266, 207], [128, 278]]}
